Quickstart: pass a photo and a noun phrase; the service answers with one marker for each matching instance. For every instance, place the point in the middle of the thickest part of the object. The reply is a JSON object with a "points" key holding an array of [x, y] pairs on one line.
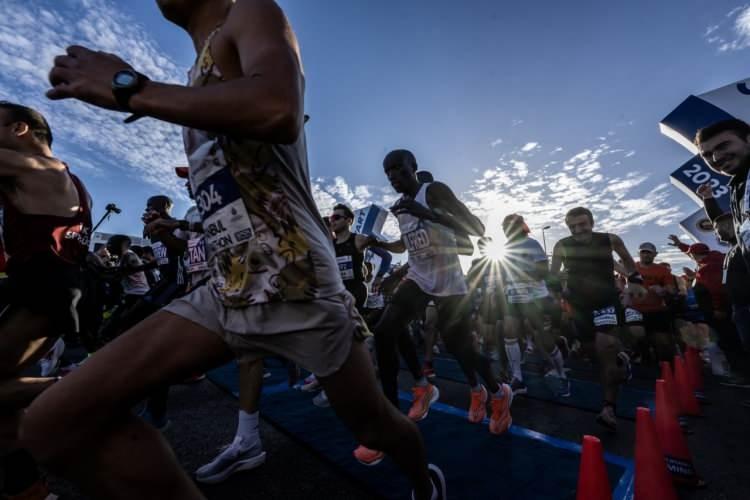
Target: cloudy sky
{"points": [[521, 107]]}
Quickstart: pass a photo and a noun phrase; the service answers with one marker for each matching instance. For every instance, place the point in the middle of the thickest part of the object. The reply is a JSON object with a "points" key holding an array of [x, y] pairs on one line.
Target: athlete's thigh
{"points": [[162, 349], [407, 303], [354, 392], [24, 338]]}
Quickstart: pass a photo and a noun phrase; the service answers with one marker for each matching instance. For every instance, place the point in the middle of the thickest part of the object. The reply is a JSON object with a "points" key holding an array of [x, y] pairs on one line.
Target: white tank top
{"points": [[433, 258]]}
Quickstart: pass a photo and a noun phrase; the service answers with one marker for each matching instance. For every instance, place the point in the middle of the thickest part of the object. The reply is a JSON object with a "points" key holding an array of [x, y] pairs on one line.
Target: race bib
{"points": [[418, 243], [226, 222], [160, 253], [633, 316], [517, 292], [196, 256], [346, 267], [605, 317]]}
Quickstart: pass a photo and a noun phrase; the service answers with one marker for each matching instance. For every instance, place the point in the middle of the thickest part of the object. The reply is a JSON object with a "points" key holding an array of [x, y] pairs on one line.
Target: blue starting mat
{"points": [[519, 465]]}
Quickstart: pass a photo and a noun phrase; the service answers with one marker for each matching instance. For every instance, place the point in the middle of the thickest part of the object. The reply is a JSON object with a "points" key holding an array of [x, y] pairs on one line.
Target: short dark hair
{"points": [[424, 177], [37, 123], [400, 157], [161, 201], [115, 241], [578, 211], [347, 211], [738, 127]]}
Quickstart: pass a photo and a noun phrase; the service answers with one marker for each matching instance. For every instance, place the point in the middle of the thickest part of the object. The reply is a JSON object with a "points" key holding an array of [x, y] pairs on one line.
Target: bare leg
{"points": [[82, 427], [607, 348], [377, 424], [251, 384]]}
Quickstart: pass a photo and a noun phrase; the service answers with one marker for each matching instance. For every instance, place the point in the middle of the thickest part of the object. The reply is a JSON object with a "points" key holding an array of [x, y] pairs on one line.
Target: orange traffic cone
{"points": [[652, 481], [671, 387], [695, 369], [593, 482], [673, 443], [685, 394]]}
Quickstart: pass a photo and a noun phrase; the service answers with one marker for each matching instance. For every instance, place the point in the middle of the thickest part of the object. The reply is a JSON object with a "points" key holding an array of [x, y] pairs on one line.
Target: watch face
{"points": [[125, 78]]}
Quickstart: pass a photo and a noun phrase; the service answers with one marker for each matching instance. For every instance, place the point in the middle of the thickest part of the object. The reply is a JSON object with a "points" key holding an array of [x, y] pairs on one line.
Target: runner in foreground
{"points": [[275, 286], [46, 230], [594, 299]]}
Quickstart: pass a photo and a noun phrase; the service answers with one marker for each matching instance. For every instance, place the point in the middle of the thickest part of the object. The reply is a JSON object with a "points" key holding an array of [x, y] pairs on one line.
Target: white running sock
{"points": [[247, 426], [422, 382], [558, 362], [513, 351]]}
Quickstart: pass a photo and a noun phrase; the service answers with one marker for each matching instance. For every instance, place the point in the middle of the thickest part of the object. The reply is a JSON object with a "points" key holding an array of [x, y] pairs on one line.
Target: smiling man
{"points": [[275, 285], [725, 146]]}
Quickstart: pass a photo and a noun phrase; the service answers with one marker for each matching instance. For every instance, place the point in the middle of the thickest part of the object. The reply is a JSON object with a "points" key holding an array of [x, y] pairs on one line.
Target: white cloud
{"points": [[31, 36], [544, 192], [530, 146], [732, 33], [496, 142]]}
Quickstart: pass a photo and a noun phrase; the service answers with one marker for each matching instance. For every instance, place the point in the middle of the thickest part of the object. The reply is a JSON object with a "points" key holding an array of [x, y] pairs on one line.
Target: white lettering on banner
{"points": [[346, 267], [632, 315], [697, 174], [196, 256], [160, 253], [225, 218]]}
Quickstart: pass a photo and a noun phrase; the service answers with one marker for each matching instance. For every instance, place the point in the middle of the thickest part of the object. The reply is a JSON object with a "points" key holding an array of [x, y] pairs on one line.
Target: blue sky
{"points": [[532, 107]]}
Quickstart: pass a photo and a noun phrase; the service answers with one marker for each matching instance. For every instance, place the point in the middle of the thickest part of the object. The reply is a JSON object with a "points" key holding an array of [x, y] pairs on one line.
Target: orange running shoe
{"points": [[368, 457], [478, 408], [424, 396], [501, 420]]}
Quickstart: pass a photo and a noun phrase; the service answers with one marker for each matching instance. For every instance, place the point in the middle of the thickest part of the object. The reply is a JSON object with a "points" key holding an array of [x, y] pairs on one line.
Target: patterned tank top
{"points": [[265, 239]]}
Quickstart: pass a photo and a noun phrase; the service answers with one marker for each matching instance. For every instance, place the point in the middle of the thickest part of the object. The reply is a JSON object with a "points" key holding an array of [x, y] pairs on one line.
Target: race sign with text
{"points": [[693, 174]]}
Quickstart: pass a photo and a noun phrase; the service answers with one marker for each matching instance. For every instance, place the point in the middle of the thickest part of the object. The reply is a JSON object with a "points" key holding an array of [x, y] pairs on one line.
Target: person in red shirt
{"points": [[657, 320], [710, 271]]}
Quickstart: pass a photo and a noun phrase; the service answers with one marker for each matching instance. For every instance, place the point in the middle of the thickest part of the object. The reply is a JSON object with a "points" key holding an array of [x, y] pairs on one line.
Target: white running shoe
{"points": [[311, 386], [238, 456], [50, 363], [321, 400]]}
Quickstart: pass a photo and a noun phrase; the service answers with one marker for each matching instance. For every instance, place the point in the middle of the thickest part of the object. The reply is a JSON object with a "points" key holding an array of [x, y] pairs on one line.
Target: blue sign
{"points": [[693, 174], [690, 116]]}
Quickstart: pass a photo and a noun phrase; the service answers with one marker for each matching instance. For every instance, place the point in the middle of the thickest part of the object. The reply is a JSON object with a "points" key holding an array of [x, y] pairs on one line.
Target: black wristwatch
{"points": [[125, 84]]}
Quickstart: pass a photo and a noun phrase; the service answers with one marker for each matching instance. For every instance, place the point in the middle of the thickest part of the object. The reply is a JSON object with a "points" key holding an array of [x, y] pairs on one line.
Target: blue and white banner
{"points": [[699, 227], [369, 220], [696, 112], [693, 174]]}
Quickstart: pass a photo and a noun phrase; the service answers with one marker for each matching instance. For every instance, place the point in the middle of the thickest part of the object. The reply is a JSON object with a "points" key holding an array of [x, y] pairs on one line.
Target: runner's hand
{"points": [[161, 226], [411, 207], [705, 191], [636, 291], [85, 75], [376, 284], [149, 216], [674, 240]]}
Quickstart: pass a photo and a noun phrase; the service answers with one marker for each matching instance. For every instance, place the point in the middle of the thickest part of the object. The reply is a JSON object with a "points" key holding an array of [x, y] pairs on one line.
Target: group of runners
{"points": [[253, 270]]}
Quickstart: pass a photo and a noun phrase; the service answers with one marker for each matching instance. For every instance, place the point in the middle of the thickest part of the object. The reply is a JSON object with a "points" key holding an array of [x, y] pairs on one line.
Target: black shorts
{"points": [[657, 322], [537, 307], [46, 286], [592, 318], [451, 310]]}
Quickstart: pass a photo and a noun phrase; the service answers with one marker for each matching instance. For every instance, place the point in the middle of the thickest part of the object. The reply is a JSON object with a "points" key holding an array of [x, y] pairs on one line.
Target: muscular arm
{"points": [[265, 103], [451, 212], [385, 261], [262, 98], [618, 246], [712, 208], [397, 246]]}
